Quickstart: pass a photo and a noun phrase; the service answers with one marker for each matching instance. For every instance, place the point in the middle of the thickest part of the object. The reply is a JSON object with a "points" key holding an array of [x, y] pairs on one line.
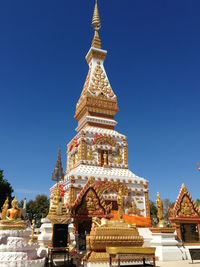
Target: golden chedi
{"points": [[11, 218]]}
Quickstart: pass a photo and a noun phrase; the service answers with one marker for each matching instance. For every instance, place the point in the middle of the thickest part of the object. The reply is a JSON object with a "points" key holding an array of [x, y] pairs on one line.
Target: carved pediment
{"points": [[184, 206], [187, 208], [90, 204]]}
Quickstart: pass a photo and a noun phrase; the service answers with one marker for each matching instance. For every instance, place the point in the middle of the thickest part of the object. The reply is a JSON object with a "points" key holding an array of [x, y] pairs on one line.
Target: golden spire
{"points": [[96, 23]]}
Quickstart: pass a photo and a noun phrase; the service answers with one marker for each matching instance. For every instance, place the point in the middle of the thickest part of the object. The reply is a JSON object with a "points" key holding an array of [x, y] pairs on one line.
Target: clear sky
{"points": [[153, 65]]}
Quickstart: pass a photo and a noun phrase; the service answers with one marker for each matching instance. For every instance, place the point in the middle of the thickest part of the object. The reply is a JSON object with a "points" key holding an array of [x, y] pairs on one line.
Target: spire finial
{"points": [[58, 170], [96, 23]]}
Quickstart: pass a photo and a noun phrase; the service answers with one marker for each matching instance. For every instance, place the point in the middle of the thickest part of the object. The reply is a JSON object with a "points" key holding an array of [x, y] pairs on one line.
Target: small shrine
{"points": [[185, 217], [97, 157]]}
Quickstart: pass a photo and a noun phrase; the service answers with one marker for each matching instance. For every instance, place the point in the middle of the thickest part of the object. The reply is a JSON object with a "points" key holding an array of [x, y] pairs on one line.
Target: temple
{"points": [[97, 156], [185, 217]]}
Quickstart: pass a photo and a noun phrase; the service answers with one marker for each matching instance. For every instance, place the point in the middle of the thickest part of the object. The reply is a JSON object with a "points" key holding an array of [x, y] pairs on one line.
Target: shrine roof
{"points": [[96, 130], [184, 206], [96, 171]]}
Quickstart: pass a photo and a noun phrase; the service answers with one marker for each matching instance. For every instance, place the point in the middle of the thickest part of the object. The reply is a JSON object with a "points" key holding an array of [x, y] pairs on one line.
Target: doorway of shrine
{"points": [[190, 232], [84, 228]]}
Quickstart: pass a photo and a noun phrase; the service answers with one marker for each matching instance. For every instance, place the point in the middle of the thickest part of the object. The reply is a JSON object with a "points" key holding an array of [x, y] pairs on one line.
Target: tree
{"points": [[5, 189], [37, 209], [167, 203], [153, 213], [198, 202]]}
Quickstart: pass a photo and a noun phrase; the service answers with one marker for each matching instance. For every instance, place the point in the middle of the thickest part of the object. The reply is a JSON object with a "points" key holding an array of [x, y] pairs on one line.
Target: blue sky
{"points": [[153, 65]]}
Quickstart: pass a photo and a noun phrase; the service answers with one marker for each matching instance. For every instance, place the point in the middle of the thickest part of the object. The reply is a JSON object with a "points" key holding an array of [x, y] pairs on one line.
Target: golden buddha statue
{"points": [[133, 209], [14, 213], [159, 205], [90, 153], [4, 209], [11, 218], [119, 159], [120, 203], [57, 211], [105, 157]]}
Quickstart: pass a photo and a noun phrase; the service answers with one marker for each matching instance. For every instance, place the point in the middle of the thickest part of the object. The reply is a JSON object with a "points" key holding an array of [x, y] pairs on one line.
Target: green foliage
{"points": [[198, 202], [37, 209], [153, 213], [166, 204], [5, 189]]}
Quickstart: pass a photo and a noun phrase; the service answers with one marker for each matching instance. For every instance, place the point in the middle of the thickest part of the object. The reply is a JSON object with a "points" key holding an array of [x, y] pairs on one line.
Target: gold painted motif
{"points": [[90, 153], [99, 84], [120, 203], [134, 209], [118, 159], [5, 209]]}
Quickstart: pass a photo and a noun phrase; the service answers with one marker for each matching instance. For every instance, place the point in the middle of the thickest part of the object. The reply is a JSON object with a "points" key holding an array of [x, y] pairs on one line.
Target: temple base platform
{"points": [[167, 247]]}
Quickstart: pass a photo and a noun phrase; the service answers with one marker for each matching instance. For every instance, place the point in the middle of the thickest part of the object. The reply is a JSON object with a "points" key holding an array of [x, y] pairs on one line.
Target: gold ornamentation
{"points": [[105, 158], [90, 205], [119, 159], [133, 209], [100, 85], [159, 204], [102, 140], [96, 23], [4, 209], [85, 87], [198, 166], [90, 153], [13, 217], [14, 213], [58, 212], [132, 250], [147, 205], [111, 185], [187, 209], [80, 204], [162, 230], [106, 233], [120, 203], [183, 203], [33, 237], [100, 54]]}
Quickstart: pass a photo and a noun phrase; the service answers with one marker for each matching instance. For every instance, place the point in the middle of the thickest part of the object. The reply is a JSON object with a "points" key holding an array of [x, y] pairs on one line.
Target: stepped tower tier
{"points": [[97, 104], [97, 160]]}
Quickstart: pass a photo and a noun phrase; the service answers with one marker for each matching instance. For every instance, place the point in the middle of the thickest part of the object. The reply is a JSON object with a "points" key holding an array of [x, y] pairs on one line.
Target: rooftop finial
{"points": [[58, 170], [96, 23]]}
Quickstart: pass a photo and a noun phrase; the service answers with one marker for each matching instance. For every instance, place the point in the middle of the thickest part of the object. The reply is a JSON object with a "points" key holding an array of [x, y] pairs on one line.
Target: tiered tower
{"points": [[97, 155]]}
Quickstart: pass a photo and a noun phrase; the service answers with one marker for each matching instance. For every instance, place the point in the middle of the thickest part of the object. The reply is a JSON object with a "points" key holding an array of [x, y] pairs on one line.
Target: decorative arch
{"points": [[102, 188], [89, 198], [105, 139], [90, 204], [187, 207]]}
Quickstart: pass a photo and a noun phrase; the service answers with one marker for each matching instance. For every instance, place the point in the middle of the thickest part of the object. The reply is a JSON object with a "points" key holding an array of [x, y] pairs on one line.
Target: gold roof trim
{"points": [[133, 250]]}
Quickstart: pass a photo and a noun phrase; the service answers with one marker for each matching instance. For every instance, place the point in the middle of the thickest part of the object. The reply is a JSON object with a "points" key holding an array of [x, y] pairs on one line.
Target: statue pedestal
{"points": [[16, 251], [163, 239], [44, 237]]}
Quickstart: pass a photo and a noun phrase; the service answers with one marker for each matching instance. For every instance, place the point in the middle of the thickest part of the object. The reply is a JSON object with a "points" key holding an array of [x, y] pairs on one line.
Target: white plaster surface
{"points": [[167, 247], [146, 234], [44, 237], [15, 251]]}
